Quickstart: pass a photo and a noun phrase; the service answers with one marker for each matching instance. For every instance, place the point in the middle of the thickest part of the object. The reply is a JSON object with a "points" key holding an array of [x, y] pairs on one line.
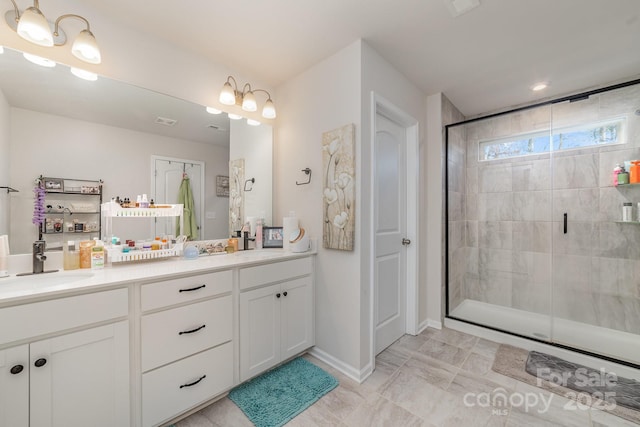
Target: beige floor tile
{"points": [[486, 348], [340, 402], [394, 356], [455, 338], [605, 419], [421, 398], [314, 416], [444, 352], [467, 382], [410, 343], [432, 370], [380, 412], [225, 413], [196, 420], [477, 364]]}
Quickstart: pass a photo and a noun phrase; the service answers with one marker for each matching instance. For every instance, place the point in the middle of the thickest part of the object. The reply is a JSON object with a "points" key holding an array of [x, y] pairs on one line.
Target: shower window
{"points": [[568, 138]]}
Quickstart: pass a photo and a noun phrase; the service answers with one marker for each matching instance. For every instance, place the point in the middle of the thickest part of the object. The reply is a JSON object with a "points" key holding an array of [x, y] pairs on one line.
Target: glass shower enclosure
{"points": [[536, 242]]}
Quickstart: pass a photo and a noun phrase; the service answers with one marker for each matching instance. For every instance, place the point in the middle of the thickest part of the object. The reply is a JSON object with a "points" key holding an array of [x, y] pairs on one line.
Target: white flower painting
{"points": [[338, 195], [236, 195]]}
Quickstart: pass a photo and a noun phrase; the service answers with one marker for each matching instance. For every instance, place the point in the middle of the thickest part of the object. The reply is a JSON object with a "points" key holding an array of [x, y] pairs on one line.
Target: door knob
{"points": [[406, 241]]}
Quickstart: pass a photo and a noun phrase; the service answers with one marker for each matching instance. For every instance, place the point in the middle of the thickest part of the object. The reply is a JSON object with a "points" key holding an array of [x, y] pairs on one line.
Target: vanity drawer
{"points": [[263, 274], [170, 292], [30, 320], [166, 392], [173, 334]]}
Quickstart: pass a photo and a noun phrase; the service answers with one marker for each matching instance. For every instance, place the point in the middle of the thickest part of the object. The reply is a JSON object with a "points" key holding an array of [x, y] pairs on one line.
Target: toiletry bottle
{"points": [[138, 201], [634, 172], [145, 202], [71, 257], [97, 256], [259, 233], [627, 211], [617, 170]]}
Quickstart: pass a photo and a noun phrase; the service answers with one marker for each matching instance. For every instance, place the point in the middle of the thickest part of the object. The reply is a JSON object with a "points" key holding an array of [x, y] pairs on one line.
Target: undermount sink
{"points": [[57, 278]]}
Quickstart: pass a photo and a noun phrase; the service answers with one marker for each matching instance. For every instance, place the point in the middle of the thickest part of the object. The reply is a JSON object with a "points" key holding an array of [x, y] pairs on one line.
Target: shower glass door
{"points": [[500, 222], [596, 256], [537, 245]]}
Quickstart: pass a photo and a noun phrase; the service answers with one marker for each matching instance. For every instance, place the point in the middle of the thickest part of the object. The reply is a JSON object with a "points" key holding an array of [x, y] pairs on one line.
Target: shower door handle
{"points": [[565, 223], [406, 241]]}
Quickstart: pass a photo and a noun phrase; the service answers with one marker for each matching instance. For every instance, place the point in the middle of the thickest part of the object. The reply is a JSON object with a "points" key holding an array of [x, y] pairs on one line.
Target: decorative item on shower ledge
{"points": [[338, 161], [236, 195]]}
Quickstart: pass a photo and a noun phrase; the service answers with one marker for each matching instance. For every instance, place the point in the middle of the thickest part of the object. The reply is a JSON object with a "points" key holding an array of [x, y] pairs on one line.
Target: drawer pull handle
{"points": [[193, 383], [16, 369], [278, 295], [284, 293], [40, 362], [193, 289], [191, 331]]}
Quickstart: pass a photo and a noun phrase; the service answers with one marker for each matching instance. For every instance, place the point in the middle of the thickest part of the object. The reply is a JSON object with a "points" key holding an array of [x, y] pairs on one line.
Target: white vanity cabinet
{"points": [[276, 314], [186, 332], [73, 379]]}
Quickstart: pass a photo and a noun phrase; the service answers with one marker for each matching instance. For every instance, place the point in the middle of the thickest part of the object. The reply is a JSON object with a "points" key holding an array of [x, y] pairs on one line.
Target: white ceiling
{"points": [[483, 60]]}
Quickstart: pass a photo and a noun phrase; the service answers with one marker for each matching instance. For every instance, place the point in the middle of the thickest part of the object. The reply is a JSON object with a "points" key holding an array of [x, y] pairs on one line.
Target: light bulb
{"points": [[227, 95], [269, 110], [33, 27], [249, 102], [86, 48], [84, 74], [39, 60]]}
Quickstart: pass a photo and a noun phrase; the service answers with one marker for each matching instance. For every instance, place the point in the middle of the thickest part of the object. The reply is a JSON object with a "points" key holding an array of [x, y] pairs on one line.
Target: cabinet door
{"points": [[81, 379], [259, 330], [14, 386], [297, 333]]}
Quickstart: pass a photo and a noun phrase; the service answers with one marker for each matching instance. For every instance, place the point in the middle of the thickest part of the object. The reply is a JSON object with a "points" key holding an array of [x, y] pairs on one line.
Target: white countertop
{"points": [[17, 290]]}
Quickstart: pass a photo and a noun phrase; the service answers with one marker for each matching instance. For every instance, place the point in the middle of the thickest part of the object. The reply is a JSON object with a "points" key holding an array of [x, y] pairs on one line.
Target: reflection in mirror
{"points": [[53, 123]]}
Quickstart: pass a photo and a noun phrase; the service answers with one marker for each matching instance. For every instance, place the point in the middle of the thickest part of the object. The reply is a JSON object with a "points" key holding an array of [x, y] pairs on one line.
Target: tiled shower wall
{"points": [[506, 240]]}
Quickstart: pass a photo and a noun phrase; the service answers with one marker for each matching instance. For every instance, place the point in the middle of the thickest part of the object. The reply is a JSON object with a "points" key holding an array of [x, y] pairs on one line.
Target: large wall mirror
{"points": [[53, 123]]}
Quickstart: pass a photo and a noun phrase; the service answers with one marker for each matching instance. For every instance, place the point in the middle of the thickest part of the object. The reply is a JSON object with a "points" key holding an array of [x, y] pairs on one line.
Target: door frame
{"points": [[155, 157], [380, 105]]}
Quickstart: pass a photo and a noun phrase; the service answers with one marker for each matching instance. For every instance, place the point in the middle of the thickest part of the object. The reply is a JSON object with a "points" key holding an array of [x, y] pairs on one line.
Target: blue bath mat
{"points": [[275, 397]]}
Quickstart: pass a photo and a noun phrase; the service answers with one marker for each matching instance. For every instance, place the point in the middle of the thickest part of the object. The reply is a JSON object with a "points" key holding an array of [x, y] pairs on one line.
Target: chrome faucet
{"points": [[38, 256], [38, 259]]}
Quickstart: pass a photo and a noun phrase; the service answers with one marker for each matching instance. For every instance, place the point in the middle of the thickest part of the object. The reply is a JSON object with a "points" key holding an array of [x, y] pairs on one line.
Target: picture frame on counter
{"points": [[272, 237]]}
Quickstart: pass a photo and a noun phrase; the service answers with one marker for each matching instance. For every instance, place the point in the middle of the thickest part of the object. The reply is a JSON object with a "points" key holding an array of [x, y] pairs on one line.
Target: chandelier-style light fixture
{"points": [[34, 27], [230, 95]]}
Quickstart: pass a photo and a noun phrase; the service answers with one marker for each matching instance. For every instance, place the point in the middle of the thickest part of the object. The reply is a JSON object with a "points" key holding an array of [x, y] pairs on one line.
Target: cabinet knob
{"points": [[16, 369], [40, 362], [284, 293], [278, 295]]}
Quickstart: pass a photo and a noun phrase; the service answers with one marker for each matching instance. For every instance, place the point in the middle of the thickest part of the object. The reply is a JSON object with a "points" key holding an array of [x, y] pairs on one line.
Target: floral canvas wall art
{"points": [[339, 189], [236, 195]]}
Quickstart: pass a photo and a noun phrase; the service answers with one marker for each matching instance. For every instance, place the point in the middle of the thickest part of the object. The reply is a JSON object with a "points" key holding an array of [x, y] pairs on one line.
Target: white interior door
{"points": [[167, 178], [389, 231]]}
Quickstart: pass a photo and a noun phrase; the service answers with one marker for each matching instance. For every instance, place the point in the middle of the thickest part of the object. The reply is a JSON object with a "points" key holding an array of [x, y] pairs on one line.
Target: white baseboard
{"points": [[345, 368], [430, 323]]}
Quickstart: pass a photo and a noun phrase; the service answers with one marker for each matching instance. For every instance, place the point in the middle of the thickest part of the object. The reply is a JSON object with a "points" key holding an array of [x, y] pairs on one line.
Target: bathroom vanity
{"points": [[143, 344]]}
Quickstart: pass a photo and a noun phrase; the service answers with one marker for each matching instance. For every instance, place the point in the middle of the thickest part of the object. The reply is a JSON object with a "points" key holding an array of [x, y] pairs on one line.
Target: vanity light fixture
{"points": [[212, 110], [34, 27], [230, 95], [252, 122], [234, 116]]}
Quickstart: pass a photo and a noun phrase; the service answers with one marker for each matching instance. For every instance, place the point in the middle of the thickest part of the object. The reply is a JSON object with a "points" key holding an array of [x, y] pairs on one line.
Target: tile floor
{"points": [[422, 381]]}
